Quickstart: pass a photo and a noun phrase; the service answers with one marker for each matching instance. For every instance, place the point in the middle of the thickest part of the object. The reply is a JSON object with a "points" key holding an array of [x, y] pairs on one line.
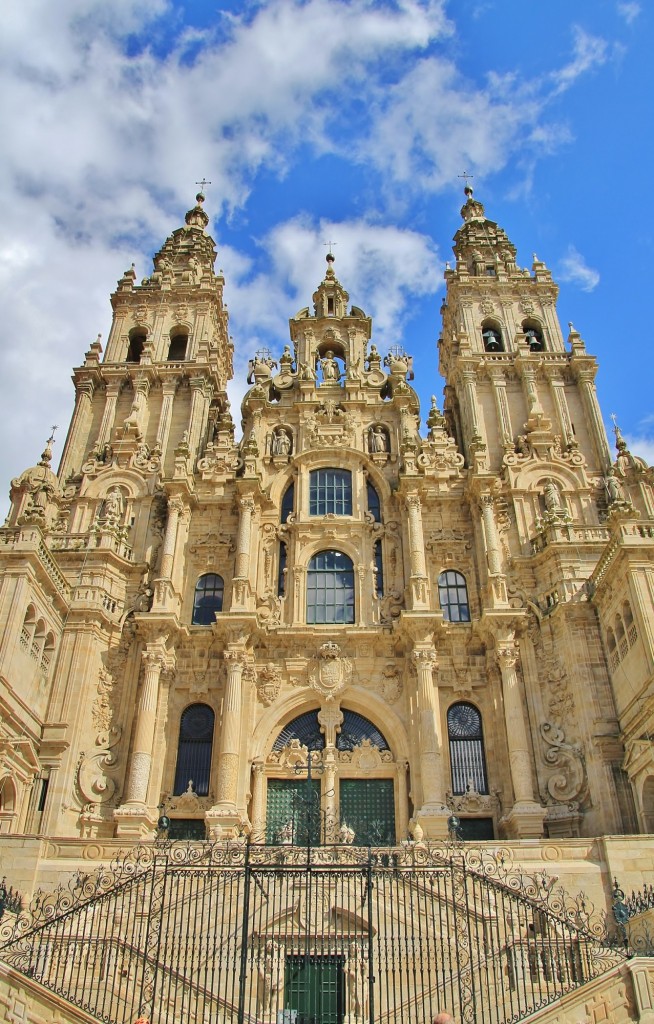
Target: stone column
{"points": [[470, 392], [586, 378], [526, 818], [417, 552], [155, 660], [246, 506], [258, 802], [502, 408], [433, 812], [557, 385], [230, 736], [163, 430], [175, 509], [84, 392], [331, 825], [493, 550], [109, 412], [200, 397]]}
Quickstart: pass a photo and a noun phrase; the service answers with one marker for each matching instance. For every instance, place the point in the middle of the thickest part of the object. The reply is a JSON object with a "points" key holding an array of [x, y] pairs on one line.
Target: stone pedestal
{"points": [[524, 821], [433, 821], [135, 822]]}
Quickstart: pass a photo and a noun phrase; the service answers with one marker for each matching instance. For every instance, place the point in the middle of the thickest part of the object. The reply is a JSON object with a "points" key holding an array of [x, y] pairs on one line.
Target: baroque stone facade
{"points": [[464, 615]]}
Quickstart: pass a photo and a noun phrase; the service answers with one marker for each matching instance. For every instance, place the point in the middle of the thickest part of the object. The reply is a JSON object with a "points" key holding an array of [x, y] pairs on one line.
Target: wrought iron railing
{"points": [[342, 934]]}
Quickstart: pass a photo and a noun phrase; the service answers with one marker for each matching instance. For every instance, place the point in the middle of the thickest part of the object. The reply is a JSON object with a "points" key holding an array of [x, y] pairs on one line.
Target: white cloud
{"points": [[588, 52], [641, 445], [573, 268], [629, 11]]}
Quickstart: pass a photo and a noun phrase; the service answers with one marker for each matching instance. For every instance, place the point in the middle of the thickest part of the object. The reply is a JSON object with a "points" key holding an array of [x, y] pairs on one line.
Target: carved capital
{"points": [[424, 657], [507, 656]]}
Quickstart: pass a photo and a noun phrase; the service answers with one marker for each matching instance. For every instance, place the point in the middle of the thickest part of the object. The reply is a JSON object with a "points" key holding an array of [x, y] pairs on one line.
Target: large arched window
{"points": [[453, 596], [208, 600], [288, 503], [194, 750], [330, 492], [467, 758], [330, 588]]}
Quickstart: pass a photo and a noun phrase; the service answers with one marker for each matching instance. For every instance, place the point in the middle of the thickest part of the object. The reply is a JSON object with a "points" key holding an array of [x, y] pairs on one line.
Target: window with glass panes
{"points": [[293, 811], [453, 596], [208, 600], [374, 504], [330, 588], [330, 491], [466, 740], [194, 750]]}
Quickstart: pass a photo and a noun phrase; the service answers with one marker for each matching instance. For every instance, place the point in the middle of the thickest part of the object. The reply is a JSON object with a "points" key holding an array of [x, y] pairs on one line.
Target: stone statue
{"points": [[329, 367], [307, 372], [113, 504], [271, 981], [356, 975], [613, 487], [281, 442], [378, 441], [552, 494]]}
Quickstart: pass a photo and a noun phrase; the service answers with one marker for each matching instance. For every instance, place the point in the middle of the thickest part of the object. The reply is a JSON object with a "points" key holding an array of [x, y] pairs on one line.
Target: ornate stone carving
{"points": [[568, 783], [94, 779], [331, 672], [268, 684]]}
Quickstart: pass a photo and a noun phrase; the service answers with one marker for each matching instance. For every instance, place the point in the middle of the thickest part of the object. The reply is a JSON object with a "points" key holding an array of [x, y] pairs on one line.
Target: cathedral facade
{"points": [[453, 622]]}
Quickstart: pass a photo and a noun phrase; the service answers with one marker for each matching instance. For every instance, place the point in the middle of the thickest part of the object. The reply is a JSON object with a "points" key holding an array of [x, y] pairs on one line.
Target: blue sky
{"points": [[323, 119]]}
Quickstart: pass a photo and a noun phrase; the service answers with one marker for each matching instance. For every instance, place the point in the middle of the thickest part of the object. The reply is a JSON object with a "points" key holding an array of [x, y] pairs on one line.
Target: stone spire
{"points": [[480, 245], [330, 298]]}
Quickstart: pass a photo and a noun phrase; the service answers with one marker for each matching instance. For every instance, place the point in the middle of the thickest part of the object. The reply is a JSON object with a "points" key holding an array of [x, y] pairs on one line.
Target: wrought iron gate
{"points": [[332, 935]]}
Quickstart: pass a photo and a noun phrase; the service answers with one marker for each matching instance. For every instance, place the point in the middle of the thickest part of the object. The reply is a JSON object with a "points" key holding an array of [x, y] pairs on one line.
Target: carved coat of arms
{"points": [[331, 672]]}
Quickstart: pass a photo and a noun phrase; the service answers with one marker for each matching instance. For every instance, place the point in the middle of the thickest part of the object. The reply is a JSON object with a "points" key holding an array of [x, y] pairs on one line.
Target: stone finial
{"points": [[197, 218]]}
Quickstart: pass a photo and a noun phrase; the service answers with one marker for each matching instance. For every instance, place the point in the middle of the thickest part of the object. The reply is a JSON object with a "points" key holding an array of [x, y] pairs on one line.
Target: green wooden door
{"points": [[314, 989], [293, 811], [368, 807]]}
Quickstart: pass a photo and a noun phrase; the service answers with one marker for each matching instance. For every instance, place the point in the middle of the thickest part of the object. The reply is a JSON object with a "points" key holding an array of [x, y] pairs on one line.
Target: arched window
{"points": [[492, 338], [621, 637], [194, 750], [135, 347], [330, 588], [209, 592], [29, 627], [48, 651], [330, 492], [629, 624], [355, 729], [453, 596], [306, 729], [467, 758], [374, 504], [38, 641], [288, 503], [177, 348]]}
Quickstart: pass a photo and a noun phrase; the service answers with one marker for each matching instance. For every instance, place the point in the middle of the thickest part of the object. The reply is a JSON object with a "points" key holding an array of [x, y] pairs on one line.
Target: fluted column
{"points": [[230, 736], [470, 393], [402, 799], [165, 417], [557, 385], [493, 551], [516, 728], [431, 753], [586, 378], [417, 552], [502, 409], [109, 412], [155, 661], [258, 801], [243, 537], [175, 509], [84, 391]]}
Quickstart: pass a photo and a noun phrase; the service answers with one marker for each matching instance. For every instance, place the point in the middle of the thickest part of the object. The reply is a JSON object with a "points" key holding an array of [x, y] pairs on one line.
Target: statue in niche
{"points": [[281, 442], [552, 495], [613, 487], [113, 505], [377, 440], [330, 371]]}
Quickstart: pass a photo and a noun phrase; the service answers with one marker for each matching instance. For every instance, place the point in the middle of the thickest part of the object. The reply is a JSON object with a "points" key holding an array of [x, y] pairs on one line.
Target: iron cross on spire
{"points": [[466, 176], [329, 246], [203, 183]]}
